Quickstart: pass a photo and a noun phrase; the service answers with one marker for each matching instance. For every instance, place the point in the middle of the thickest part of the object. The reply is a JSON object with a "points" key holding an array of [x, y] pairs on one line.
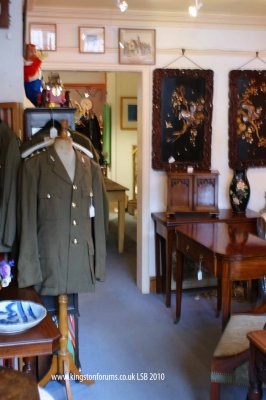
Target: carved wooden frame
{"points": [[247, 121], [197, 87]]}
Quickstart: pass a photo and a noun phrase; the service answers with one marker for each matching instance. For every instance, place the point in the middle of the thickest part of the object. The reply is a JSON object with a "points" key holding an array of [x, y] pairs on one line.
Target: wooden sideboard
{"points": [[230, 251], [164, 234]]}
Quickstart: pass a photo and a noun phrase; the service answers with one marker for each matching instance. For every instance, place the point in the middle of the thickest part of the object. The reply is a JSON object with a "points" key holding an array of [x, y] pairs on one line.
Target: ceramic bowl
{"points": [[18, 316]]}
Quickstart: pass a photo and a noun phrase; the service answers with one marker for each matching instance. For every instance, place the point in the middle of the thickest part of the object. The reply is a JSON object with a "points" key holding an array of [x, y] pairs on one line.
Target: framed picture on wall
{"points": [[43, 36], [4, 13], [247, 119], [136, 46], [181, 119], [128, 113], [91, 40]]}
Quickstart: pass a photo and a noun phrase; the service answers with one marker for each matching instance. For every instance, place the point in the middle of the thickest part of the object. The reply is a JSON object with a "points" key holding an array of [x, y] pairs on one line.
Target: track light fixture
{"points": [[122, 5], [193, 10]]}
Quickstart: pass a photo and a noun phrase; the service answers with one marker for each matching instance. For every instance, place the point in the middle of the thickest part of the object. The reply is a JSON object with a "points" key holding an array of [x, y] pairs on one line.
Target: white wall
{"points": [[219, 48], [122, 84], [11, 65]]}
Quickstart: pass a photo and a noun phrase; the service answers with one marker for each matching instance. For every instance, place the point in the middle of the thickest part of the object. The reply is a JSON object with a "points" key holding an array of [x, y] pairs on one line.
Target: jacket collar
{"points": [[58, 168]]}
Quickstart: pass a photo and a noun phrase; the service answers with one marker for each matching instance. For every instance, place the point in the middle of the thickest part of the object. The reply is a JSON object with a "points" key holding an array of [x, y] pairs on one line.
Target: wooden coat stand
{"points": [[63, 363]]}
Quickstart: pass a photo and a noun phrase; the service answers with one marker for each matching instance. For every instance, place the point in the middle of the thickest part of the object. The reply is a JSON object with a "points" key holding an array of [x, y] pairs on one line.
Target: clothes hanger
{"points": [[48, 142]]}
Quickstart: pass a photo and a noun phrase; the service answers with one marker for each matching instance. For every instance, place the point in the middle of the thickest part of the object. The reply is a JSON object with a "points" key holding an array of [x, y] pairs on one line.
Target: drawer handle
{"points": [[187, 248]]}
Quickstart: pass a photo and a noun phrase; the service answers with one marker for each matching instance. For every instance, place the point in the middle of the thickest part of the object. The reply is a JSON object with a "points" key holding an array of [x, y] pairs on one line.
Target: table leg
{"points": [[255, 385], [121, 223], [29, 365], [8, 363], [179, 279], [226, 293], [218, 310], [168, 267], [163, 261], [157, 260]]}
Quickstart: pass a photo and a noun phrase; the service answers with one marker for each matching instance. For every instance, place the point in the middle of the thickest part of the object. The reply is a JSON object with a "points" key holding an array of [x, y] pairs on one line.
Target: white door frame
{"points": [[144, 155]]}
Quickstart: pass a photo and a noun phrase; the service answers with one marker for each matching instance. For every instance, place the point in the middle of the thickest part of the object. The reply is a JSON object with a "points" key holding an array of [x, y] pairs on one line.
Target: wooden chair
{"points": [[230, 359], [11, 113], [257, 364]]}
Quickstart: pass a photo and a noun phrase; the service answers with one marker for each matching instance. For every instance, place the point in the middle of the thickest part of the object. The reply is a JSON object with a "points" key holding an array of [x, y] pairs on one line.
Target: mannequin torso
{"points": [[64, 149]]}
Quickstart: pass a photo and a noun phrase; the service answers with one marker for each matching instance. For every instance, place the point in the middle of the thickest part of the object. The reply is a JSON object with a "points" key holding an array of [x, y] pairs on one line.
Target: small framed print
{"points": [[43, 36], [137, 46], [128, 113], [91, 40]]}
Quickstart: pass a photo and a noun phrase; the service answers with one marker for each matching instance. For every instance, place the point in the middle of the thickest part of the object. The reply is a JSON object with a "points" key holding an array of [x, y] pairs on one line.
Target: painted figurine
{"points": [[33, 74]]}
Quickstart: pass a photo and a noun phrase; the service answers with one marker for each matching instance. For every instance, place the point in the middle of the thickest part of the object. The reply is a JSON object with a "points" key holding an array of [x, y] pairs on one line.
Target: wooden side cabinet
{"points": [[192, 192]]}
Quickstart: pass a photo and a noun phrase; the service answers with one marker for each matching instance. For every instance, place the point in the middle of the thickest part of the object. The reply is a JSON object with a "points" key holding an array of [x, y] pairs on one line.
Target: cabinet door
{"points": [[179, 193], [205, 192]]}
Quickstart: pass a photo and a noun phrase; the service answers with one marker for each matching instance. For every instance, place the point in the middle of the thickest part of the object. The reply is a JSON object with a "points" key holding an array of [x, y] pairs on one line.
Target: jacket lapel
{"points": [[59, 169], [56, 164]]}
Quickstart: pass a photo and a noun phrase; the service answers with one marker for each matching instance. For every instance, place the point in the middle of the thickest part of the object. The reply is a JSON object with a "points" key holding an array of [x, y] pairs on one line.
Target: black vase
{"points": [[239, 191]]}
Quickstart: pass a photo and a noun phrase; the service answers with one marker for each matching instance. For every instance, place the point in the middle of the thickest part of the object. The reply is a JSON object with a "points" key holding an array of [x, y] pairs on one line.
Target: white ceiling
{"points": [[234, 8]]}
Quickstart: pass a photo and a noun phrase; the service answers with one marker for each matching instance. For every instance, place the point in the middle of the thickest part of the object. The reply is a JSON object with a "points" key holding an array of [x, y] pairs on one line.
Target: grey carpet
{"points": [[122, 331]]}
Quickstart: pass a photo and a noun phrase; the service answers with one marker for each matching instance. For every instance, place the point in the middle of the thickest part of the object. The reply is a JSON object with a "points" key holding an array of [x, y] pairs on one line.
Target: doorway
{"points": [[143, 141]]}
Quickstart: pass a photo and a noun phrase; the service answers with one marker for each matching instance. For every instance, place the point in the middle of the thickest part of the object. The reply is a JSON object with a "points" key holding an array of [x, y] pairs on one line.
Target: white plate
{"points": [[18, 316]]}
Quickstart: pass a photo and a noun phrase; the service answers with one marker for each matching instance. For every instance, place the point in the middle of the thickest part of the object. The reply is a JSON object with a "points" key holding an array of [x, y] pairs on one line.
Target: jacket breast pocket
{"points": [[50, 206]]}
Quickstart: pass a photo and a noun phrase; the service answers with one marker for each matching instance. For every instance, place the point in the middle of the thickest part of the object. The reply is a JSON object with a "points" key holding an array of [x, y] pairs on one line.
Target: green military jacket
{"points": [[62, 248], [9, 165]]}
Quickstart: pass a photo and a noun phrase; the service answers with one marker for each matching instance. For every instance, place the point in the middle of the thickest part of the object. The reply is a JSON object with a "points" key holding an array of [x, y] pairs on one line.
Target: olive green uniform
{"points": [[62, 248]]}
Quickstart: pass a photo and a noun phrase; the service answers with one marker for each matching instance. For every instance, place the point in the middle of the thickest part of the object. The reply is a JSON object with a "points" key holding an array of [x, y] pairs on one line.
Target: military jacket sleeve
{"points": [[9, 164], [101, 220], [29, 269]]}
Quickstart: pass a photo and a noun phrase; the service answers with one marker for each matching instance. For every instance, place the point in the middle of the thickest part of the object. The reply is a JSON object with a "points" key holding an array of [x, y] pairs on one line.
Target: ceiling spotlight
{"points": [[193, 10], [123, 6]]}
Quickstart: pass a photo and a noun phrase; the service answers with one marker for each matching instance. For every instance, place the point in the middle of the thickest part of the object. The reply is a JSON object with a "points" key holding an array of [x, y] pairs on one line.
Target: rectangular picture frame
{"points": [[128, 113], [181, 119], [247, 121], [137, 46], [91, 39], [43, 36]]}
